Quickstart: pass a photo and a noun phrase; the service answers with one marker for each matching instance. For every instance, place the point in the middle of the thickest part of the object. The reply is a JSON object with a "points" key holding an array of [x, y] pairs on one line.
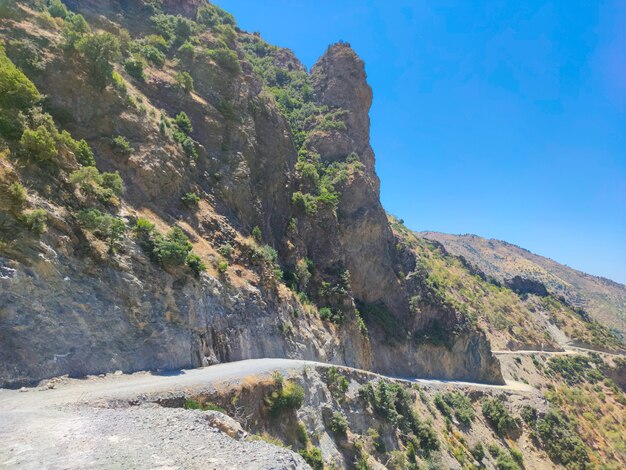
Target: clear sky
{"points": [[501, 118]]}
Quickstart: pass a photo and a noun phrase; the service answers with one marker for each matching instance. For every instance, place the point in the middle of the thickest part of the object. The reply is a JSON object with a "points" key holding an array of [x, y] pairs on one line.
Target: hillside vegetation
{"points": [[176, 192]]}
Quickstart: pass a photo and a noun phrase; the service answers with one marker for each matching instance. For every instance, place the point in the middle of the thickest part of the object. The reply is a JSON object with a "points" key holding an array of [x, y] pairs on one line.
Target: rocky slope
{"points": [[179, 193], [603, 299]]}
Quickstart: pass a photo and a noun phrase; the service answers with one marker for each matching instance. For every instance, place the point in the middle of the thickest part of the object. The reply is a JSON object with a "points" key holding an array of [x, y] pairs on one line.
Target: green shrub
{"points": [[26, 55], [184, 81], [39, 144], [189, 148], [100, 51], [102, 185], [226, 250], [338, 424], [498, 416], [304, 202], [171, 249], [257, 234], [17, 93], [212, 15], [74, 29], [574, 369], [457, 403], [392, 402], [557, 434], [17, 194], [222, 267], [494, 450], [529, 414], [153, 55], [190, 199], [313, 457], [183, 122], [112, 181], [506, 462], [57, 9], [122, 146], [195, 263], [289, 396], [143, 226], [84, 155], [478, 452], [226, 59], [35, 220], [135, 68], [105, 226], [267, 254], [186, 52], [517, 455]]}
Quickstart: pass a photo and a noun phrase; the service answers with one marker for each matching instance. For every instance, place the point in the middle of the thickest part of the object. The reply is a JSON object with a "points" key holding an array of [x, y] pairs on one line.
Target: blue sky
{"points": [[501, 118]]}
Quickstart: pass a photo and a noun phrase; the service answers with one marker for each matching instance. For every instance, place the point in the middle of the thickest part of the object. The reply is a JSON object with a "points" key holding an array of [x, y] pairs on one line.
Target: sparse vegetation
{"points": [[313, 456], [288, 396], [498, 415], [122, 146], [105, 226], [184, 81], [339, 424], [190, 199], [100, 52], [35, 220], [457, 404]]}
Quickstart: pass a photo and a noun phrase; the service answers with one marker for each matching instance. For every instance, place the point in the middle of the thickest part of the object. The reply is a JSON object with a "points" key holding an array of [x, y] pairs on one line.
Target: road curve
{"points": [[128, 386]]}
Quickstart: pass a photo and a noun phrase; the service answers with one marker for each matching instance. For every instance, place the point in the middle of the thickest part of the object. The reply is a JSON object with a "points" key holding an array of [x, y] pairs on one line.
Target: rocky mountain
{"points": [[179, 193], [175, 192], [600, 298]]}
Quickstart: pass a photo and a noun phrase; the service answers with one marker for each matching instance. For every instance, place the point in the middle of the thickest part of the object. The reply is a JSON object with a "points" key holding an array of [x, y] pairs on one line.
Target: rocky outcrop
{"points": [[69, 308]]}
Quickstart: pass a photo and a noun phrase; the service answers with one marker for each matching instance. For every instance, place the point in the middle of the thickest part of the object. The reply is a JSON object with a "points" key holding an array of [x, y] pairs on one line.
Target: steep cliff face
{"points": [[263, 148]]}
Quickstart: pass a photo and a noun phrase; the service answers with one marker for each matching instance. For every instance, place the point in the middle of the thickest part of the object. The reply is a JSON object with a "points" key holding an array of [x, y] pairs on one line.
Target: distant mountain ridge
{"points": [[603, 299]]}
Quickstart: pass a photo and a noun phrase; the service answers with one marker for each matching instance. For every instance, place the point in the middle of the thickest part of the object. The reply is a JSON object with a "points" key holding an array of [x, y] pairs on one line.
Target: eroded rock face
{"points": [[67, 310], [367, 242]]}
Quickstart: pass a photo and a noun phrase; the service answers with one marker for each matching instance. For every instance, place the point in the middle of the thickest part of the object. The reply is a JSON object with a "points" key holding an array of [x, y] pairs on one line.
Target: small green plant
{"points": [[122, 146], [183, 122], [304, 202], [301, 434], [105, 226], [517, 455], [226, 250], [478, 452], [172, 249], [195, 263], [339, 424], [57, 9], [74, 29], [135, 68], [313, 456], [104, 186], [35, 220], [184, 81], [498, 416], [39, 144], [455, 403], [190, 199], [189, 147], [222, 267], [257, 234], [17, 194], [100, 52], [288, 396]]}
